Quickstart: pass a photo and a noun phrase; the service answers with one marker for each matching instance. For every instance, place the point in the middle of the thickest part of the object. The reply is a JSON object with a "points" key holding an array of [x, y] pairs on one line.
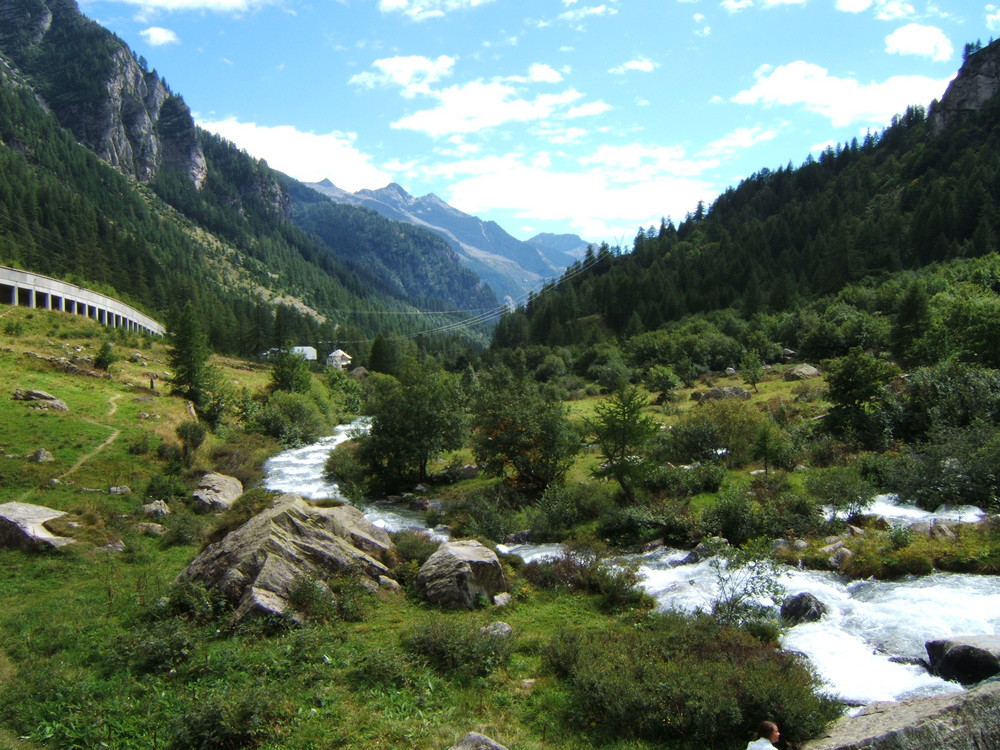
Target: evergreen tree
{"points": [[188, 355]]}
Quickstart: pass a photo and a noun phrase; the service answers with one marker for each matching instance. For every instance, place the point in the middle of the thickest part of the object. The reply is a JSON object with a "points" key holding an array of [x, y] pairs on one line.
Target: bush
{"points": [[562, 507], [224, 723], [723, 429], [686, 680], [684, 481], [382, 667], [616, 584], [458, 647], [291, 418]]}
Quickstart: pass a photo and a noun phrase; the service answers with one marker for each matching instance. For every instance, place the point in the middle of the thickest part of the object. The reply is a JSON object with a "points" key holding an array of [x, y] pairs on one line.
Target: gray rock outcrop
{"points": [[41, 456], [258, 565], [216, 492], [476, 741], [801, 372], [965, 659], [22, 526], [131, 120], [40, 399], [958, 721], [460, 572], [977, 82]]}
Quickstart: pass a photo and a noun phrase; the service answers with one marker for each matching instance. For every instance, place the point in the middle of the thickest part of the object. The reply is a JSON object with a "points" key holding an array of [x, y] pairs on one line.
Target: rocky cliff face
{"points": [[976, 83], [97, 89]]}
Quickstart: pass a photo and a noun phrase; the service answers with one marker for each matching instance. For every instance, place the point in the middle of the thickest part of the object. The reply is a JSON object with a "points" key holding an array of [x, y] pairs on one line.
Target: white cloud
{"points": [[619, 189], [773, 3], [739, 140], [735, 6], [993, 18], [853, 6], [475, 105], [422, 10], [917, 39], [593, 10], [412, 73], [589, 109], [540, 73], [479, 105], [157, 36], [892, 10], [844, 101], [641, 64], [305, 156]]}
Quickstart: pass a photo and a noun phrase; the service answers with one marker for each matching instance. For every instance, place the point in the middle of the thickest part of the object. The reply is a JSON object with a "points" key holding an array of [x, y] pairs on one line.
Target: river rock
{"points": [[957, 721], [801, 372], [965, 659], [41, 399], [258, 565], [216, 492], [801, 608], [460, 572], [22, 526], [476, 741]]}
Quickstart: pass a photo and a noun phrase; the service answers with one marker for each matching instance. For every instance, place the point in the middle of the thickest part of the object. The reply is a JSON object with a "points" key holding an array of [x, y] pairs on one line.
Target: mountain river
{"points": [[859, 648]]}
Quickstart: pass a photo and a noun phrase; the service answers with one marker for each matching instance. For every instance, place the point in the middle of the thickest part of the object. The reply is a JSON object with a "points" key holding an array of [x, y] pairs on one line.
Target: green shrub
{"points": [[684, 481], [165, 488], [192, 602], [181, 529], [382, 667], [291, 418], [616, 584], [458, 647], [687, 680], [222, 722]]}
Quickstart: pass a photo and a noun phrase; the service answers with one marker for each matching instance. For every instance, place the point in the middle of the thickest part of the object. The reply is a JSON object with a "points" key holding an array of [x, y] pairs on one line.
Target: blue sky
{"points": [[595, 117]]}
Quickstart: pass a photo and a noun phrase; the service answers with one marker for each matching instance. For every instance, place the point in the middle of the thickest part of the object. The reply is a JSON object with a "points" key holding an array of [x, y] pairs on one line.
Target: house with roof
{"points": [[339, 360]]}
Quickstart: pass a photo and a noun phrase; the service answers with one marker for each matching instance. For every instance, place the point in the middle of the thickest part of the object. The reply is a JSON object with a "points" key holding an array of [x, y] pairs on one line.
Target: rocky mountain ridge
{"points": [[122, 112], [977, 82], [510, 266]]}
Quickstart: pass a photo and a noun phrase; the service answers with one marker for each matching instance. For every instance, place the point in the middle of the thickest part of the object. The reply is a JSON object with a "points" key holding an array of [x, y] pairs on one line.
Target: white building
{"points": [[308, 353], [339, 359]]}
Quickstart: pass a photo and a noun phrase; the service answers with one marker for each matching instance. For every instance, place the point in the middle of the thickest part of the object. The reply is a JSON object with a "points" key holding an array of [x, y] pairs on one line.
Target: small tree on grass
{"points": [[751, 369], [192, 435], [622, 432], [105, 357]]}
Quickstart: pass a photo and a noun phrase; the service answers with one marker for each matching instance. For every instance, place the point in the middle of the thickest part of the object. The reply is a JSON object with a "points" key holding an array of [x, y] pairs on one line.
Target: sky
{"points": [[591, 117]]}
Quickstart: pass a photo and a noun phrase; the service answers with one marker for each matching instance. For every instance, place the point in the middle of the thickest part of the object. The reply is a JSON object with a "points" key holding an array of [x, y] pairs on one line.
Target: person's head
{"points": [[768, 730]]}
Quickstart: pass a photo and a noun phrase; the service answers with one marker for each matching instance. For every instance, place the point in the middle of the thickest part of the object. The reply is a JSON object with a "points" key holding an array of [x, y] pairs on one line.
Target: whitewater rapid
{"points": [[863, 649]]}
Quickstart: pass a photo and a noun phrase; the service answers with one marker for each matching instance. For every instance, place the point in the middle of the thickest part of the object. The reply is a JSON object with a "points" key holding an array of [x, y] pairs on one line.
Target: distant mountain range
{"points": [[510, 266]]}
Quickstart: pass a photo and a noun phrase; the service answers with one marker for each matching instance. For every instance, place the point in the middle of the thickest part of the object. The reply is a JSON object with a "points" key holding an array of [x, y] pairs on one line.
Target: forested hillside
{"points": [[899, 200], [159, 212]]}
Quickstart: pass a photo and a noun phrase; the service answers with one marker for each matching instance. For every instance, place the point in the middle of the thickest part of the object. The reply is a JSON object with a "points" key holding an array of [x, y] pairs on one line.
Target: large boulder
{"points": [[804, 607], [216, 492], [458, 573], [801, 372], [40, 399], [957, 721], [258, 565], [22, 526], [965, 659]]}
